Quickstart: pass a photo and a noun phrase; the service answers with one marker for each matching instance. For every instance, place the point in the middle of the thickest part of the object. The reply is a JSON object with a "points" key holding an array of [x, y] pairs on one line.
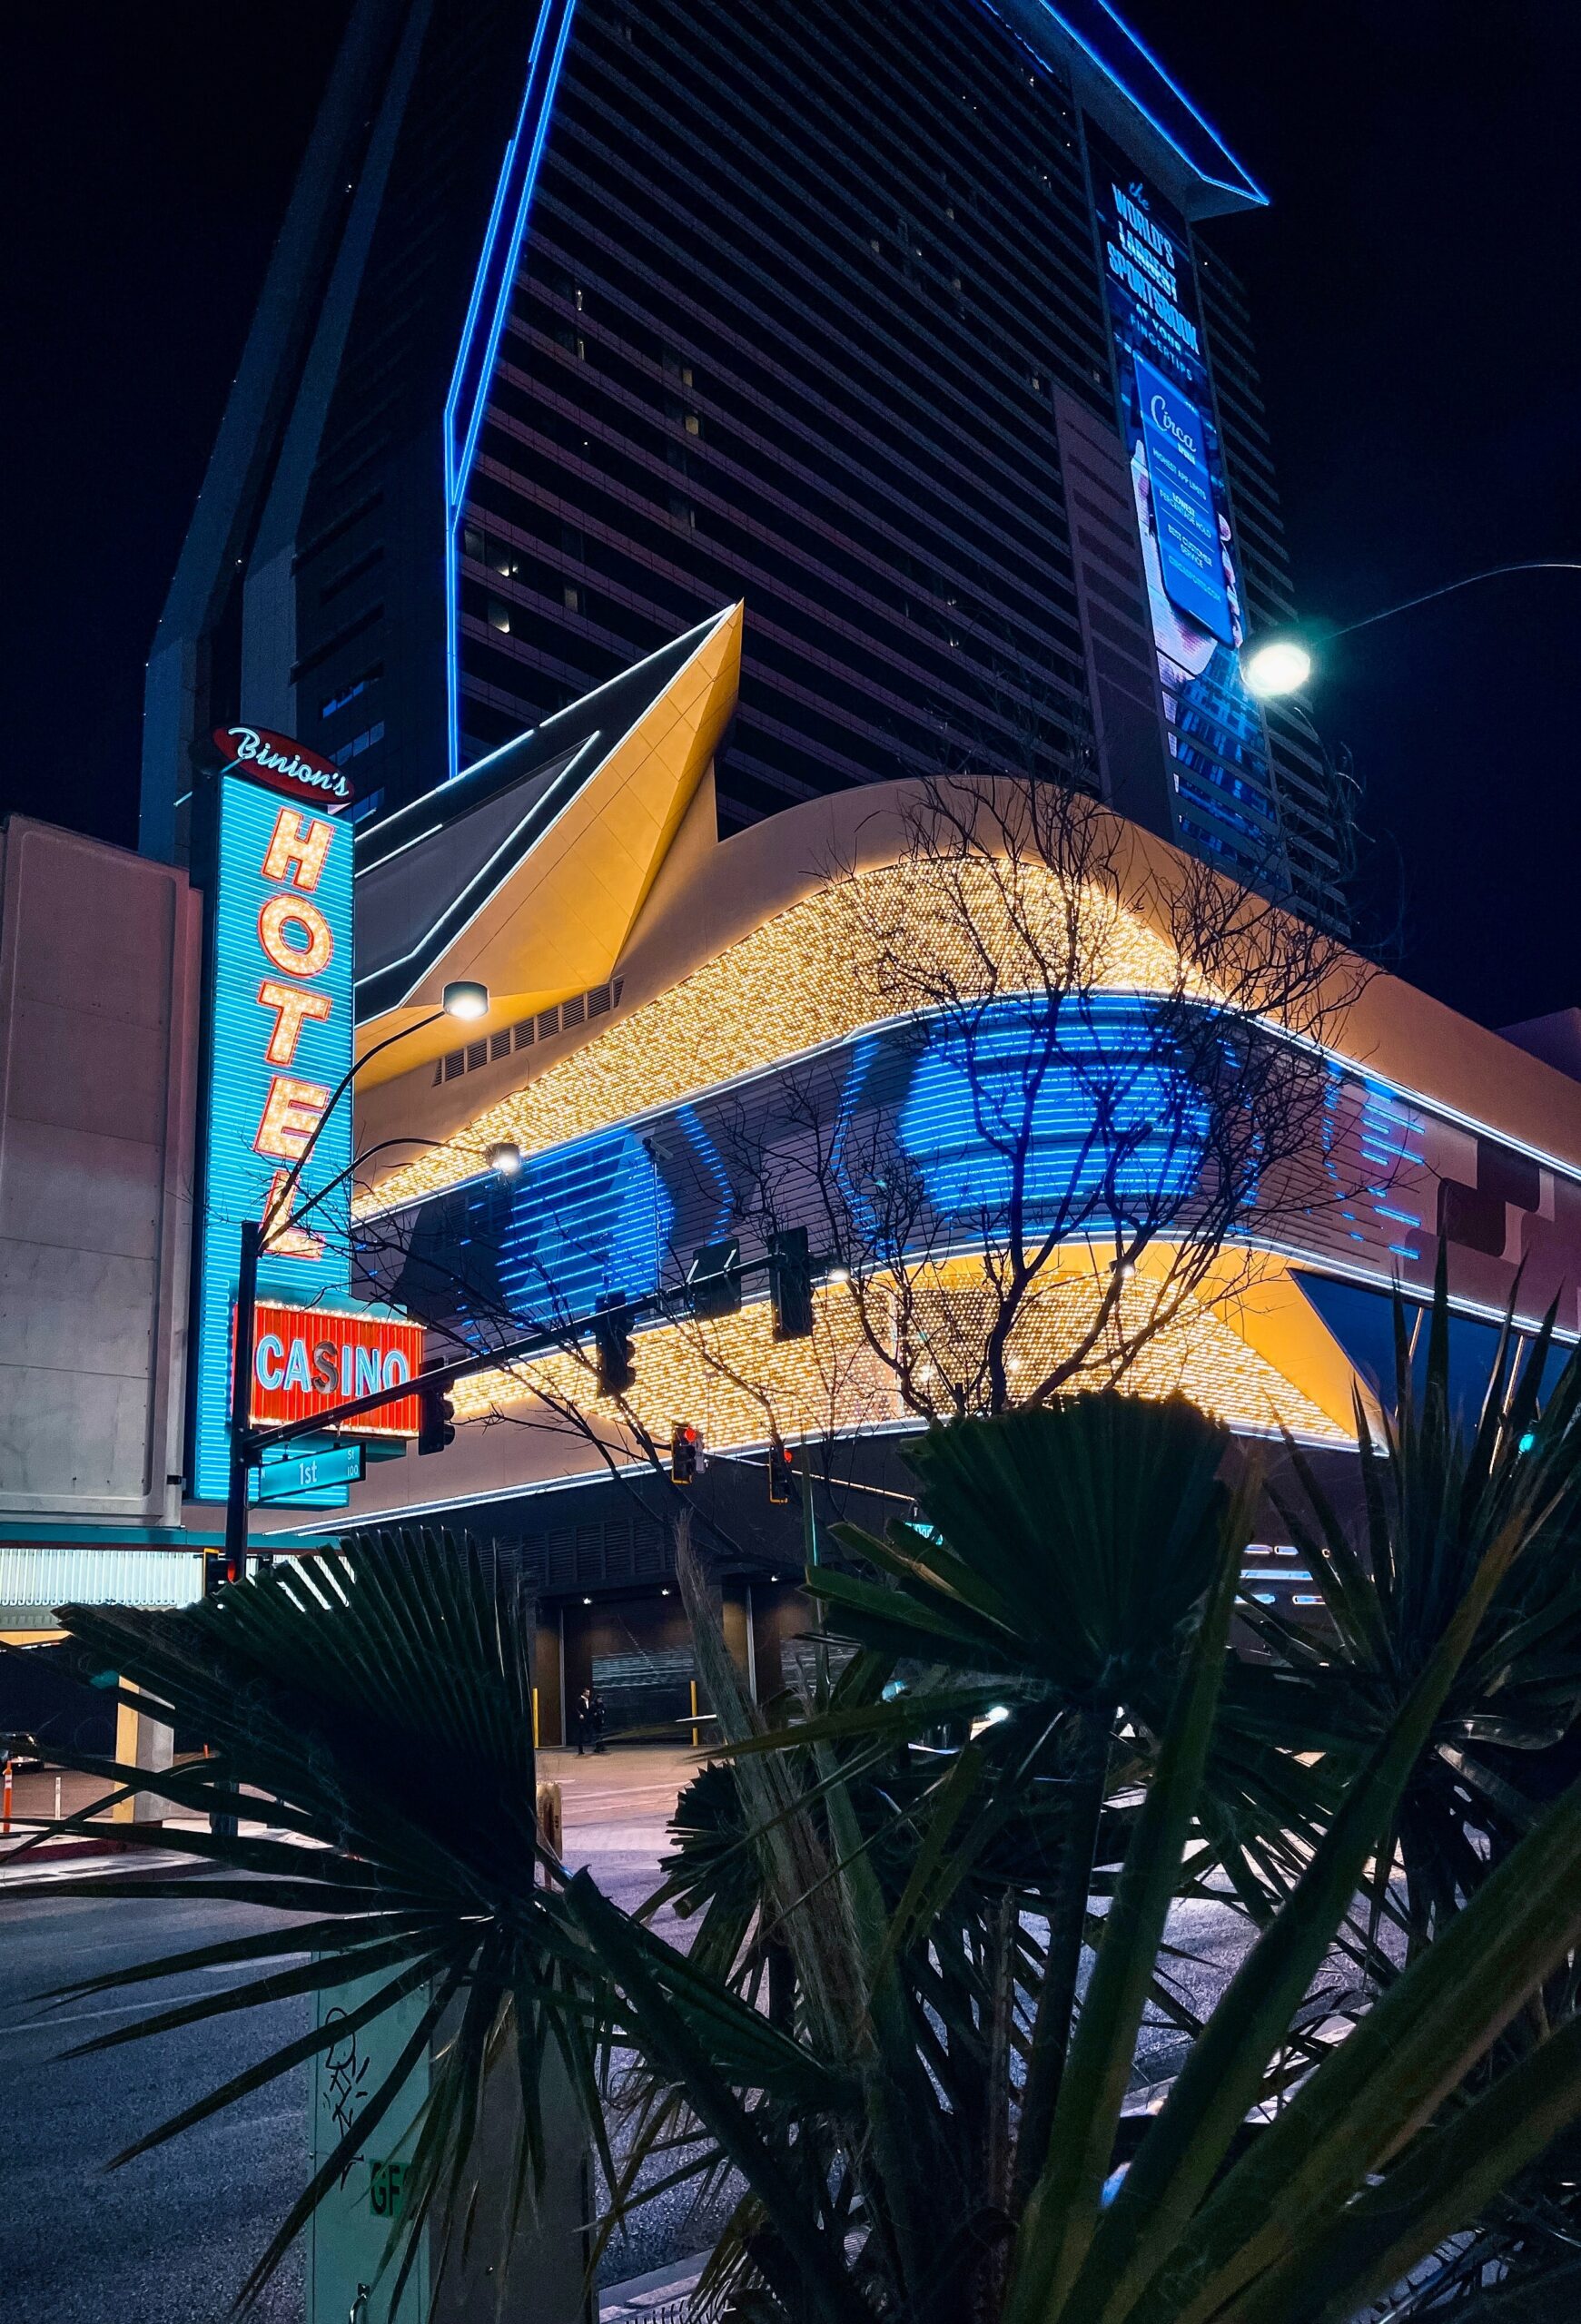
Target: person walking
{"points": [[595, 1702]]}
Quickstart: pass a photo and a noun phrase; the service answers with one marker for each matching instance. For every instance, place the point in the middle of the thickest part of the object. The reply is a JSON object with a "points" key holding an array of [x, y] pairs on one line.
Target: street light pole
{"points": [[461, 999], [1281, 662]]}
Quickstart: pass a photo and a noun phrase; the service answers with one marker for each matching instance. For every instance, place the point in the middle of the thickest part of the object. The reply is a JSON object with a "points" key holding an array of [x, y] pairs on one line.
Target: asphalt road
{"points": [[170, 2237]]}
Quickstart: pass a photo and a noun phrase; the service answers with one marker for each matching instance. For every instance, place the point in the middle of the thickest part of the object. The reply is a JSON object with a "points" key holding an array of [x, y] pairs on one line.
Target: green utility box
{"points": [[538, 2279]]}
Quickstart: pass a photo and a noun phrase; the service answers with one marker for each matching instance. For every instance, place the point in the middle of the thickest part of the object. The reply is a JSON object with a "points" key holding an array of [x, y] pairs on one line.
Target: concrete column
{"points": [[141, 1741]]}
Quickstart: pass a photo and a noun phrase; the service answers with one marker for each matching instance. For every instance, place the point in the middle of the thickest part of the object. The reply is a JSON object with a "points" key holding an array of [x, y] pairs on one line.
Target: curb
{"points": [[52, 1851], [30, 1872], [663, 2296]]}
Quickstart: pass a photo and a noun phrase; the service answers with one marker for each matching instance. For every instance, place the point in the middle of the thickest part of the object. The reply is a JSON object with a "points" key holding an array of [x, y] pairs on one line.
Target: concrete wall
{"points": [[99, 971]]}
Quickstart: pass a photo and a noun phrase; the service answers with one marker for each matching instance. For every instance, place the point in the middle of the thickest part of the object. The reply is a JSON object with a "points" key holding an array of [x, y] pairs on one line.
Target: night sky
{"points": [[1414, 295]]}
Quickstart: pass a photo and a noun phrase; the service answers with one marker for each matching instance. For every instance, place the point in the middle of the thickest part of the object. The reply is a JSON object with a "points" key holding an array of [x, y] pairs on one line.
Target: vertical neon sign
{"points": [[280, 1040]]}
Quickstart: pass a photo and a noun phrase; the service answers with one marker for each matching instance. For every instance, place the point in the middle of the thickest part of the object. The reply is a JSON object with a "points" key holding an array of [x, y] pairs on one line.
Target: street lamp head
{"points": [[465, 999], [504, 1157], [1275, 666]]}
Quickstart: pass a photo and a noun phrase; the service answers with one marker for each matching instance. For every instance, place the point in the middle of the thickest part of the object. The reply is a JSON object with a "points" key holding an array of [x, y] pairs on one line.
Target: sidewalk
{"points": [[35, 1795], [107, 1842], [617, 1806]]}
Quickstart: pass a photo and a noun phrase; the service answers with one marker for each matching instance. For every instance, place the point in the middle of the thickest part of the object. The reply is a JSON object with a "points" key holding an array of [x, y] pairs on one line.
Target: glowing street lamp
{"points": [[1276, 665]]}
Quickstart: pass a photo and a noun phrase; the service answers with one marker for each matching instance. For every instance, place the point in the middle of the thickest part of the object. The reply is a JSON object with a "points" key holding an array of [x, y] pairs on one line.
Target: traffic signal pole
{"points": [[241, 1399], [550, 1341], [254, 1236]]}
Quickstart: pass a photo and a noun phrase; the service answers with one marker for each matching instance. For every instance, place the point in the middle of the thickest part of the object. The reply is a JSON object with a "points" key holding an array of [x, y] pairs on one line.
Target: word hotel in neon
{"points": [[299, 943]]}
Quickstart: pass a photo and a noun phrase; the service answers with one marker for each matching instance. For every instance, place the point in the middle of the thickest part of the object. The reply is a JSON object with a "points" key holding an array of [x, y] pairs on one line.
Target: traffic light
{"points": [[790, 1284], [435, 1418], [782, 1469], [686, 1451], [711, 1279], [612, 1347], [218, 1569]]}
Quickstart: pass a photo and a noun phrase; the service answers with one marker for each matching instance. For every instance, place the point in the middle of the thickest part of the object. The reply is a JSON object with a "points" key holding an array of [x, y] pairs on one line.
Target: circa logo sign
{"points": [[1163, 417], [284, 764]]}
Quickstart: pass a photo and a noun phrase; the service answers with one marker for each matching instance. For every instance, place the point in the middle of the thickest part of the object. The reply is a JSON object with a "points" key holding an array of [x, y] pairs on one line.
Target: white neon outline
{"points": [[380, 861], [703, 632], [427, 798]]}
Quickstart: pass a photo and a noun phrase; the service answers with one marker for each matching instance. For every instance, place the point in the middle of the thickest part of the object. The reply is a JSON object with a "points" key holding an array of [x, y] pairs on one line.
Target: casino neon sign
{"points": [[280, 1042], [308, 1360]]}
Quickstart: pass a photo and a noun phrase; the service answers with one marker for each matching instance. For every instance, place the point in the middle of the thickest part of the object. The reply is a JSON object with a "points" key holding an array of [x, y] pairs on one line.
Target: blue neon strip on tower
{"points": [[491, 303], [1117, 51], [1213, 725]]}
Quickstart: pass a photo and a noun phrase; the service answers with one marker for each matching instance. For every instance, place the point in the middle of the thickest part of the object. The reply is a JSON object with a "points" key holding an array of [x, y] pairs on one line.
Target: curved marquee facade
{"points": [[747, 1058]]}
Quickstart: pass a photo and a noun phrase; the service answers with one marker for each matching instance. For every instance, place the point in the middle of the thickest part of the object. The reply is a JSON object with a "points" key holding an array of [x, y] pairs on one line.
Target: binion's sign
{"points": [[279, 1041], [305, 1360], [266, 757]]}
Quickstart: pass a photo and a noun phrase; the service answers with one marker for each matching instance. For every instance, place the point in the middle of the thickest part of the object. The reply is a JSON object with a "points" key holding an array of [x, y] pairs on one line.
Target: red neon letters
{"points": [[298, 941]]}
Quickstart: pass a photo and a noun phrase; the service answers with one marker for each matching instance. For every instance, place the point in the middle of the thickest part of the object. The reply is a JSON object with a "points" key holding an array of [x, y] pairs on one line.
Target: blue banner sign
{"points": [[1186, 523], [340, 1464]]}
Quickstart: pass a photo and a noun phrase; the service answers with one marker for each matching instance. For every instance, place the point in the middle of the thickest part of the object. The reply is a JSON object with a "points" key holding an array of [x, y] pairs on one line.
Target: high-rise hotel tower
{"points": [[589, 317]]}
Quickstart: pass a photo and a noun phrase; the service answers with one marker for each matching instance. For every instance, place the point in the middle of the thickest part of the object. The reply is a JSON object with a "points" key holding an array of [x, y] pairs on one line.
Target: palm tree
{"points": [[1435, 1499], [1434, 1496], [930, 2120]]}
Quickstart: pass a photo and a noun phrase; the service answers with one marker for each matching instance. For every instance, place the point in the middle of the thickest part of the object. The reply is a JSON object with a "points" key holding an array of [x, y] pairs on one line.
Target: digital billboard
{"points": [[280, 1040], [1217, 740]]}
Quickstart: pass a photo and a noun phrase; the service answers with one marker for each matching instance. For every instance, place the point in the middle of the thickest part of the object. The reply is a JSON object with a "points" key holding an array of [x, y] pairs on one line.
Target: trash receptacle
{"points": [[540, 2274]]}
